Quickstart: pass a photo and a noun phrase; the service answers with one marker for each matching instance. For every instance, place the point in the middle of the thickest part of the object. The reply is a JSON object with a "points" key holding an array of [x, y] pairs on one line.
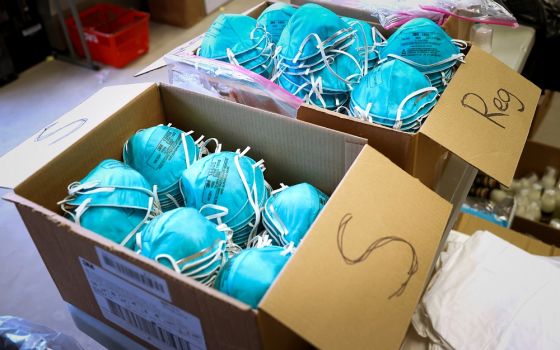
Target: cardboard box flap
{"points": [[484, 115], [34, 153], [355, 280]]}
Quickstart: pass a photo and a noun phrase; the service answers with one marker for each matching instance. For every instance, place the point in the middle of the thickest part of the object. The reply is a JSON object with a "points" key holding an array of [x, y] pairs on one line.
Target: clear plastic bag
{"points": [[19, 334], [226, 81], [392, 14], [499, 213]]}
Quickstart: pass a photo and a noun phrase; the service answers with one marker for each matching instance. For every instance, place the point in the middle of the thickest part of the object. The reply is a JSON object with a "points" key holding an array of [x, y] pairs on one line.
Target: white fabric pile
{"points": [[489, 294]]}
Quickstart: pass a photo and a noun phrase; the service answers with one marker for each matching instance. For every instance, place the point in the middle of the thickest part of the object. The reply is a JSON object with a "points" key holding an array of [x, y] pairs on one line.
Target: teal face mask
{"points": [[229, 188], [275, 18], [310, 30], [424, 45], [289, 212], [394, 93], [310, 94], [239, 40], [369, 42], [161, 154], [184, 240], [113, 200], [247, 276]]}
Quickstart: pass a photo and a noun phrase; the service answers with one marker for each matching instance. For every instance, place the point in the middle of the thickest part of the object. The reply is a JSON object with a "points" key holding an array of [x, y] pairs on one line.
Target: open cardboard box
{"points": [[483, 118], [535, 158], [469, 224], [318, 299]]}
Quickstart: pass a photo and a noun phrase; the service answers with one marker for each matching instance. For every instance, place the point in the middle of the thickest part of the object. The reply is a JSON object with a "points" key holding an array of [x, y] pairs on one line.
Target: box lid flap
{"points": [[355, 280], [34, 153], [484, 115]]}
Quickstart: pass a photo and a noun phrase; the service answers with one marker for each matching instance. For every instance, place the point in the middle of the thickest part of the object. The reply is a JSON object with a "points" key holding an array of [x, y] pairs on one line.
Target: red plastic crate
{"points": [[114, 35]]}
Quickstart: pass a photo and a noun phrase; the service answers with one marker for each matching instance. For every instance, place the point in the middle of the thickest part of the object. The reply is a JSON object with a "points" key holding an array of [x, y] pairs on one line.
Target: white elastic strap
{"points": [[289, 249], [139, 241], [133, 232], [457, 57], [461, 44], [186, 148], [260, 241], [221, 212], [252, 200], [277, 221], [231, 57], [398, 122], [81, 209], [278, 190], [173, 200]]}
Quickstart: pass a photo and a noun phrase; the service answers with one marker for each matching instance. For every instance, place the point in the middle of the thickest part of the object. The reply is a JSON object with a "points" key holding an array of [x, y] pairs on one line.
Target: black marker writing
{"points": [[375, 245], [501, 103], [70, 128]]}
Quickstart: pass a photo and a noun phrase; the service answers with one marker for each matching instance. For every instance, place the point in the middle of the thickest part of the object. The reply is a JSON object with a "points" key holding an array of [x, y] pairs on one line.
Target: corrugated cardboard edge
{"points": [[52, 232], [469, 224], [454, 123], [298, 303]]}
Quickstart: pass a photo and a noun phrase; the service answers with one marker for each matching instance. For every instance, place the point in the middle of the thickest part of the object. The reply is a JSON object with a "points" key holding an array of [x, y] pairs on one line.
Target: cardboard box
{"points": [[182, 13], [542, 110], [319, 299], [483, 117], [535, 158], [469, 224]]}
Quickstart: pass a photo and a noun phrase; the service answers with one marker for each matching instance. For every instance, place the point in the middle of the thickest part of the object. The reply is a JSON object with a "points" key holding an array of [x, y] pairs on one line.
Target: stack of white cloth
{"points": [[489, 294]]}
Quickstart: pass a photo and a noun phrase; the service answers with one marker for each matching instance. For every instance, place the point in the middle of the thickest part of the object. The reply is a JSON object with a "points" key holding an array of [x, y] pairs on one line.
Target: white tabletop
{"points": [[513, 45]]}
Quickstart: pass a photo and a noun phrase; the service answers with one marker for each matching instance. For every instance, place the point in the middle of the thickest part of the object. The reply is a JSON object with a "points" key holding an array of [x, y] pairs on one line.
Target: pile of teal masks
{"points": [[247, 276], [290, 211], [113, 200], [239, 40], [275, 18], [425, 46], [161, 154], [370, 42], [228, 188], [394, 95], [318, 57], [187, 242]]}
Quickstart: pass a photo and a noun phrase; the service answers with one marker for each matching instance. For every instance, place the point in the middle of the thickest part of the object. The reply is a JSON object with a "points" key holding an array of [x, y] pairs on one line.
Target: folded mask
{"points": [[310, 30], [229, 188], [240, 40], [161, 154], [247, 276], [424, 45], [275, 18], [289, 212], [394, 91], [187, 242], [113, 200]]}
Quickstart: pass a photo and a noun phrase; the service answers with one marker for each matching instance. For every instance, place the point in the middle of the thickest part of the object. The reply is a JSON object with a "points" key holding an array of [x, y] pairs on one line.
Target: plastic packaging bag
{"points": [[224, 80], [498, 213], [392, 14], [19, 334]]}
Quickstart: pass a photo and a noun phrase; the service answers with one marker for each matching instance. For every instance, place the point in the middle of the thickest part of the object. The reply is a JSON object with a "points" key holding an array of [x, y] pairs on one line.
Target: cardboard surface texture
{"points": [[338, 301], [381, 198], [58, 136], [484, 115]]}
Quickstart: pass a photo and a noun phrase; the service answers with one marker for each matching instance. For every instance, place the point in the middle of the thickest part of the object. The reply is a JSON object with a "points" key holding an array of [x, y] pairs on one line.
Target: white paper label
{"points": [[142, 314], [132, 273]]}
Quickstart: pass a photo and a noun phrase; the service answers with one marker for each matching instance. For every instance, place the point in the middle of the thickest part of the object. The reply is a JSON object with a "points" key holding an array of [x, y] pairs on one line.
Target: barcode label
{"points": [[132, 273], [143, 314], [149, 327]]}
